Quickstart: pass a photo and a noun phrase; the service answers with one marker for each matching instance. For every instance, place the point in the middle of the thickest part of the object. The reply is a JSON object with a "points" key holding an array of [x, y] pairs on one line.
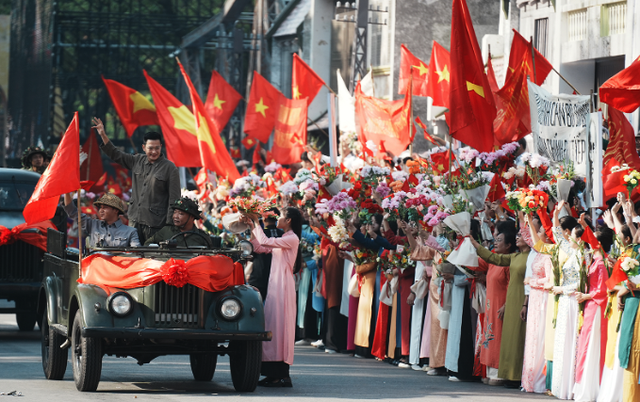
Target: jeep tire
{"points": [[26, 320], [203, 365], [54, 359], [245, 361], [86, 357]]}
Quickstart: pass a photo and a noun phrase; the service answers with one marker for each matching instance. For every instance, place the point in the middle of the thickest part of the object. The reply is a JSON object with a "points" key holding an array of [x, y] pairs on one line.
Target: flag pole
{"points": [[411, 110], [329, 88], [533, 59], [79, 234], [565, 80]]}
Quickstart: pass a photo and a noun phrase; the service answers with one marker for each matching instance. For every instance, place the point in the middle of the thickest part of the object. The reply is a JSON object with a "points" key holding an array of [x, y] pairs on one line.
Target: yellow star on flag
{"points": [[261, 107], [140, 102], [296, 93], [443, 75], [183, 119], [422, 68], [204, 134], [217, 102], [475, 88]]}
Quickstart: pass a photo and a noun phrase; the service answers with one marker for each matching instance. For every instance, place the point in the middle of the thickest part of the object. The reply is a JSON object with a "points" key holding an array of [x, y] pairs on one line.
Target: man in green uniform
{"points": [[185, 212]]}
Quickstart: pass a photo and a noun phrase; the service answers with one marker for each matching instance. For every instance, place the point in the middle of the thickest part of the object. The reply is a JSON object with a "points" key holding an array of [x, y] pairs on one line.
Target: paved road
{"points": [[316, 376]]}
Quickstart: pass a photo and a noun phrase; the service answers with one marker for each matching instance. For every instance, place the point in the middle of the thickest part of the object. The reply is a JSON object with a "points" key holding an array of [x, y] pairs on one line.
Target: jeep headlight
{"points": [[230, 308], [246, 248], [120, 304]]}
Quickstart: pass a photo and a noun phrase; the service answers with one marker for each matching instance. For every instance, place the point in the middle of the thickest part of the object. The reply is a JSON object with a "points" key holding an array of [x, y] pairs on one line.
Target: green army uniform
{"points": [[190, 240]]}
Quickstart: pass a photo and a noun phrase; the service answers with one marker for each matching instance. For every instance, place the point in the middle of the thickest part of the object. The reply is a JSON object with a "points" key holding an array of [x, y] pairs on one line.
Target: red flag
{"points": [[305, 83], [439, 75], [61, 176], [91, 169], [622, 141], [622, 91], [427, 136], [213, 153], [235, 152], [520, 56], [178, 127], [133, 108], [612, 182], [383, 120], [491, 77], [249, 142], [290, 136], [513, 119], [256, 155], [420, 73], [440, 161], [221, 101], [497, 191], [471, 105], [262, 108], [617, 275]]}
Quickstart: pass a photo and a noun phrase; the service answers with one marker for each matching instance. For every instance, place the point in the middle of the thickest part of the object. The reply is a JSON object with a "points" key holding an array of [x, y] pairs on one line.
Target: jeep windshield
{"points": [[14, 195]]}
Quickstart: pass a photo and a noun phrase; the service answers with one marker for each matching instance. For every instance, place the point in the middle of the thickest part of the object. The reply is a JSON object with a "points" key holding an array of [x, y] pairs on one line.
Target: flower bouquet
{"points": [[465, 254], [395, 206], [536, 166], [557, 278], [631, 267], [372, 174], [253, 207], [339, 234], [631, 181], [245, 186], [475, 187], [527, 200], [434, 216], [564, 181], [341, 205], [367, 210]]}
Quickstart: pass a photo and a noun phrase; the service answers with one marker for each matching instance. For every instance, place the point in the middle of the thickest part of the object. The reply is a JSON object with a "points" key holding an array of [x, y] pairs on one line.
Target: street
{"points": [[315, 375]]}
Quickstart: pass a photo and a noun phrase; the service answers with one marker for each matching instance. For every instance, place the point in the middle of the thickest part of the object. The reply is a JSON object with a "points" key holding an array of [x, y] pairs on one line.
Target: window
{"points": [[541, 36], [613, 18], [578, 25]]}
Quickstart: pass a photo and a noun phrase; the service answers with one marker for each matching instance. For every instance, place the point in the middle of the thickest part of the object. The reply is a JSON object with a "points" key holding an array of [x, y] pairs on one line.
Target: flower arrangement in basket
{"points": [[527, 200], [253, 207], [368, 209]]}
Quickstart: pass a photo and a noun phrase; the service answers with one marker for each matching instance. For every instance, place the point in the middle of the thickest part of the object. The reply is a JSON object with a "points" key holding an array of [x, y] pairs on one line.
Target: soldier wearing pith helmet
{"points": [[185, 213]]}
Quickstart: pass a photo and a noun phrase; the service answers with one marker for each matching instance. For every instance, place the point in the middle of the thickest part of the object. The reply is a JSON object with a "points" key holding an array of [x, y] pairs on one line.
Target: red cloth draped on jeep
{"points": [[210, 273], [36, 238]]}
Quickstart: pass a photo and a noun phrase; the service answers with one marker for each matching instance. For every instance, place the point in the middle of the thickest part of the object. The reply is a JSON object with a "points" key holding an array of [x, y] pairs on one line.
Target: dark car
{"points": [[20, 263], [144, 322]]}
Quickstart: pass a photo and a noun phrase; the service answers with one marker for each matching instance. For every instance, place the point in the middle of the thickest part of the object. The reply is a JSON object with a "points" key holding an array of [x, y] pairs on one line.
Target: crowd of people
{"points": [[474, 266]]}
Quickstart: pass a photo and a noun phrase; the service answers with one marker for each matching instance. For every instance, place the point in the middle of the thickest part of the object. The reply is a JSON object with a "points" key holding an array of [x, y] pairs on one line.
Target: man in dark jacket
{"points": [[155, 182], [185, 212], [259, 276]]}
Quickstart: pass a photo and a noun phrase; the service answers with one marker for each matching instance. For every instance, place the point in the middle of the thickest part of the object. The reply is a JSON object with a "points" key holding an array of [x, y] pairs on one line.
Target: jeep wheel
{"points": [[203, 365], [86, 358], [26, 320], [54, 359], [245, 362]]}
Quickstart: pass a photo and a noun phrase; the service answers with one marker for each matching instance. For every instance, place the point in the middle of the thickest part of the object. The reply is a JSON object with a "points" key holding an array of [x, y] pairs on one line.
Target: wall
{"points": [[5, 30]]}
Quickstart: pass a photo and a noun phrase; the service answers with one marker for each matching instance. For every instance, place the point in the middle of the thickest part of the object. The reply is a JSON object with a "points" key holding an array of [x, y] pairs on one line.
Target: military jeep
{"points": [[147, 321], [20, 262]]}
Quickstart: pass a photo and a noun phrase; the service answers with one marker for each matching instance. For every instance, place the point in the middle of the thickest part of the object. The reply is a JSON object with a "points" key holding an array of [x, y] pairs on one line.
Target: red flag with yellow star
{"points": [[384, 121], [178, 127], [305, 83], [520, 56], [471, 105], [213, 153], [262, 108], [622, 145], [249, 142], [132, 107], [622, 91], [420, 73], [221, 101], [439, 75], [290, 137]]}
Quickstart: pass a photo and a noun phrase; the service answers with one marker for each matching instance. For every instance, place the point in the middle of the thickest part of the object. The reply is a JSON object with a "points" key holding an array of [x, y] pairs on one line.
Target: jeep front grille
{"points": [[20, 262], [177, 307]]}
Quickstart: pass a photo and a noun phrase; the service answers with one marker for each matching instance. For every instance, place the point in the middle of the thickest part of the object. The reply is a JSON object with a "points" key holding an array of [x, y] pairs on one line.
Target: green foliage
{"points": [[5, 7]]}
